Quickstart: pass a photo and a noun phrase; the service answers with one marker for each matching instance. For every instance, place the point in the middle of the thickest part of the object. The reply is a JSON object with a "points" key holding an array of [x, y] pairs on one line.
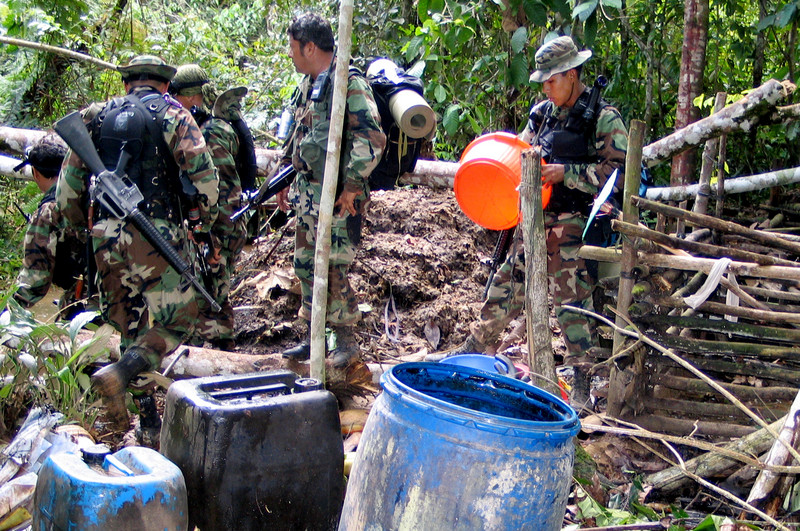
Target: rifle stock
{"points": [[121, 196]]}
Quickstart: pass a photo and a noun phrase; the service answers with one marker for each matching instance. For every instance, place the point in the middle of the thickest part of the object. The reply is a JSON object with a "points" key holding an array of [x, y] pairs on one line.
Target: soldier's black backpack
{"points": [[402, 152]]}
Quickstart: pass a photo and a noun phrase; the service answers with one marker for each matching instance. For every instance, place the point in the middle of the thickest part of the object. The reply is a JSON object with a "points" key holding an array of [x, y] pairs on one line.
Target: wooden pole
{"points": [[630, 214], [322, 251], [540, 342], [707, 166]]}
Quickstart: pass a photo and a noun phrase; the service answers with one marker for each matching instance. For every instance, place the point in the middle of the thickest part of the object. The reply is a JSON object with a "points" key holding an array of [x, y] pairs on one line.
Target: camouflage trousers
{"points": [[569, 283], [342, 307], [138, 283], [220, 325]]}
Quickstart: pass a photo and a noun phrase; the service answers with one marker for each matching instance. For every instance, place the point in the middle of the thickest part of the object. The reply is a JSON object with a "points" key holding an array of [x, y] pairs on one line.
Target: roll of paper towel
{"points": [[413, 114]]}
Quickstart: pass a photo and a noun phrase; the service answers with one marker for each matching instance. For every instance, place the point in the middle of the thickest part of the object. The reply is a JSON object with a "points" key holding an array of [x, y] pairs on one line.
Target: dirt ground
{"points": [[422, 264]]}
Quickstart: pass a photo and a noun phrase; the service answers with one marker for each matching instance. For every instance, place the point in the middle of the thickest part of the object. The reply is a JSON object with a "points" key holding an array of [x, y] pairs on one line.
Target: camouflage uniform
{"points": [[135, 278], [53, 254], [363, 143], [223, 144], [570, 282]]}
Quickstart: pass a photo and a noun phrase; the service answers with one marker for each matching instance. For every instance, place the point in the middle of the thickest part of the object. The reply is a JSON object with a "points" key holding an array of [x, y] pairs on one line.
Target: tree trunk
{"points": [[742, 115], [693, 65]]}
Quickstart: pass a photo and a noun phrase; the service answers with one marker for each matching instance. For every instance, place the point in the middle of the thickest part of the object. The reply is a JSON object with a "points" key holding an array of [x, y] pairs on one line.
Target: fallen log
{"points": [[741, 115], [666, 482], [725, 309], [745, 393], [745, 367], [718, 224], [707, 249], [769, 333], [15, 141], [685, 427], [664, 404], [729, 348], [737, 185], [690, 263], [7, 165]]}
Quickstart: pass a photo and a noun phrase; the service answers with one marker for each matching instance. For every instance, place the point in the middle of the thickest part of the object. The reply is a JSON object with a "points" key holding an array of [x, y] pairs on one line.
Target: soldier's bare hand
{"points": [[347, 203], [282, 198], [553, 173]]}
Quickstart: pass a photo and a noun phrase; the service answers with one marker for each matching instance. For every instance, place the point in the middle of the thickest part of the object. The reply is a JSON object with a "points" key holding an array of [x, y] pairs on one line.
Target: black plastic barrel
{"points": [[258, 451], [451, 447]]}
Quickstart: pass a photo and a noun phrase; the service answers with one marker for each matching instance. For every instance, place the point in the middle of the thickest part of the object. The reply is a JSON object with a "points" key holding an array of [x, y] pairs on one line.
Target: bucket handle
{"points": [[504, 365]]}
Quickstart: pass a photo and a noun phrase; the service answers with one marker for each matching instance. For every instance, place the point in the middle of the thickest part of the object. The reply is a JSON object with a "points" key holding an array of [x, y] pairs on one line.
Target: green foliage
{"points": [[43, 364]]}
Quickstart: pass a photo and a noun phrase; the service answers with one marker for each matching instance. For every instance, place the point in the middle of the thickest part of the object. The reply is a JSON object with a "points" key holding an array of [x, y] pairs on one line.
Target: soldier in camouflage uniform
{"points": [[192, 89], [580, 157], [133, 275], [53, 254], [311, 48]]}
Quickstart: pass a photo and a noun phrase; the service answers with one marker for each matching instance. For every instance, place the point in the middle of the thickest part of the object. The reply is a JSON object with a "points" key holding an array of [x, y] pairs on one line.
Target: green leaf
{"points": [[765, 22], [536, 12], [440, 94], [519, 40], [79, 321], [785, 15], [584, 10], [518, 70], [422, 10], [615, 4], [590, 30], [450, 120], [476, 127]]}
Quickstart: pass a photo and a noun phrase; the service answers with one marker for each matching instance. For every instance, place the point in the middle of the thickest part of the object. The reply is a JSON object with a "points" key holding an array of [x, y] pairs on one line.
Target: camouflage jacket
{"points": [[184, 139], [223, 144], [52, 254], [605, 154], [363, 139]]}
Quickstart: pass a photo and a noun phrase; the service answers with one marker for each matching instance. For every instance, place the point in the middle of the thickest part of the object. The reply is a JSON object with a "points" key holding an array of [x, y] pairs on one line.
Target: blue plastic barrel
{"points": [[451, 447], [131, 490]]}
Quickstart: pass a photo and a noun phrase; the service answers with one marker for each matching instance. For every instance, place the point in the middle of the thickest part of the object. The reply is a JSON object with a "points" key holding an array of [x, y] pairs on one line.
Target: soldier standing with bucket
{"points": [[582, 144]]}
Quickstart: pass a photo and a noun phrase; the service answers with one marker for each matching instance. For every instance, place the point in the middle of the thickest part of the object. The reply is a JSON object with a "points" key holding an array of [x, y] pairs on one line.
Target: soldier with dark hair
{"points": [[214, 114], [582, 150], [311, 48], [162, 140], [54, 254]]}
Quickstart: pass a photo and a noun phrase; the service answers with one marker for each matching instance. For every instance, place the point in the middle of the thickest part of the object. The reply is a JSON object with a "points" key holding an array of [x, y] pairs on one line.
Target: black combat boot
{"points": [[111, 381], [347, 349], [299, 353], [470, 346]]}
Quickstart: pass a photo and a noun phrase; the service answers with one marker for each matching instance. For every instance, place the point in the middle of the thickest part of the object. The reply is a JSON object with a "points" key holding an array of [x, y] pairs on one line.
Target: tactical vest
{"points": [[313, 119], [569, 141], [135, 122]]}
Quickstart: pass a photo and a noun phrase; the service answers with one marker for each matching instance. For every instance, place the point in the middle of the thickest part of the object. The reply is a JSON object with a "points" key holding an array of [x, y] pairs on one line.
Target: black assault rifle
{"points": [[268, 188], [121, 196]]}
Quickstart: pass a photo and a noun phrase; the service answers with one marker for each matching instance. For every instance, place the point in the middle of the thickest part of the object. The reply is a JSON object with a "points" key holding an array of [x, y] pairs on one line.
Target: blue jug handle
{"points": [[505, 366]]}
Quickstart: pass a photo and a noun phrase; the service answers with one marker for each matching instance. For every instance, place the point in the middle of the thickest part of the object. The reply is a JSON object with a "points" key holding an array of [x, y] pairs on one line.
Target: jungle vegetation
{"points": [[475, 58]]}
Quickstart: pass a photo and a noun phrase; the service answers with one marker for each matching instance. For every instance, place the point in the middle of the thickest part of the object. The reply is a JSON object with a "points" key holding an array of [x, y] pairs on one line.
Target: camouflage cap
{"points": [[556, 56], [188, 80], [228, 105], [147, 67]]}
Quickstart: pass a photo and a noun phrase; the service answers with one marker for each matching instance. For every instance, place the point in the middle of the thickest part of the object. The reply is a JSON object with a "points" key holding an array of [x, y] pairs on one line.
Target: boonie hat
{"points": [[188, 80], [147, 67], [556, 56], [229, 104]]}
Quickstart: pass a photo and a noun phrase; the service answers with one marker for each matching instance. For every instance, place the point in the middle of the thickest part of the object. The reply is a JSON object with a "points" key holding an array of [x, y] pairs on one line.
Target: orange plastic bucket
{"points": [[487, 179]]}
